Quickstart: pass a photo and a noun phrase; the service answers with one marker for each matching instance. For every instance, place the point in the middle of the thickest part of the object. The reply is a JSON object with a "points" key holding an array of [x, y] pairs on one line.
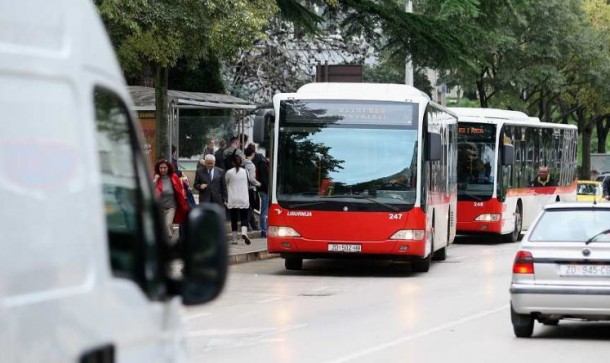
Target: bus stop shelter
{"points": [[144, 102]]}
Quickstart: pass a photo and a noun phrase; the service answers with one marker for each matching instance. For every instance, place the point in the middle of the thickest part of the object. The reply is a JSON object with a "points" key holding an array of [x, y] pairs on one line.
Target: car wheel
{"points": [[514, 235], [293, 263], [523, 324]]}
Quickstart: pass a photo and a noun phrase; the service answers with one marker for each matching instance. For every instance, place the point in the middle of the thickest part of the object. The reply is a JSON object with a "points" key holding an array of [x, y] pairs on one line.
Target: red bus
{"points": [[361, 170], [509, 166]]}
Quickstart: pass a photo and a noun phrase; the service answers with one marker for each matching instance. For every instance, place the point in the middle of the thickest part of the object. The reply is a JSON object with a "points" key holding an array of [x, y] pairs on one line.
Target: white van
{"points": [[84, 261]]}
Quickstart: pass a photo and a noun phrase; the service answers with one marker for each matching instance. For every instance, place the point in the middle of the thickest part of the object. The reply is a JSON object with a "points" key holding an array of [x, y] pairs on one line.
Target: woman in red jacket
{"points": [[171, 195]]}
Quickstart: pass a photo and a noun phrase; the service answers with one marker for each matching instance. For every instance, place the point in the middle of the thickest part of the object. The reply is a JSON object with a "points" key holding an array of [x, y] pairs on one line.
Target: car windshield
{"points": [[587, 189], [572, 225]]}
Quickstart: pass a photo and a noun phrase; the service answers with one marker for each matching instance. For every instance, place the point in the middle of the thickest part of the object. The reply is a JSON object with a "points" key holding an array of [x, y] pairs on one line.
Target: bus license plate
{"points": [[337, 247], [585, 270]]}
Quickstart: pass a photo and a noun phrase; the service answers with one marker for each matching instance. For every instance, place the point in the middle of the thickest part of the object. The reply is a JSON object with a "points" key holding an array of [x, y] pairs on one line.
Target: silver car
{"points": [[562, 269]]}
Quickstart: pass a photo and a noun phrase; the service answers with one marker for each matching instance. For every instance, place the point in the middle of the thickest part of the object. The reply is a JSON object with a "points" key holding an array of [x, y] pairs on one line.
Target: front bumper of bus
{"points": [[308, 248]]}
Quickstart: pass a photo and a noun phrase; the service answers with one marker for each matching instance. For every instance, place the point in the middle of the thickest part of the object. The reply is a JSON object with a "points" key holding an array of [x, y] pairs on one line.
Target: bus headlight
{"points": [[277, 231], [488, 218], [409, 234]]}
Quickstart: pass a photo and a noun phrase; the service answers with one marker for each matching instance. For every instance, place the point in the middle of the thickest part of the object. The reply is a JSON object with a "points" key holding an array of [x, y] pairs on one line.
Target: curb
{"points": [[251, 256]]}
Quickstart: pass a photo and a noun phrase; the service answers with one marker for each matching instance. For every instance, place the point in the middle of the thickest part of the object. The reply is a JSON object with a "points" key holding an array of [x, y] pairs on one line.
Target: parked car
{"points": [[600, 178], [562, 269], [589, 191]]}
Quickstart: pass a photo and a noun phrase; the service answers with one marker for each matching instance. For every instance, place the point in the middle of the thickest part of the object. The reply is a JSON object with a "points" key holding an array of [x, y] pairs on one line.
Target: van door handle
{"points": [[102, 354]]}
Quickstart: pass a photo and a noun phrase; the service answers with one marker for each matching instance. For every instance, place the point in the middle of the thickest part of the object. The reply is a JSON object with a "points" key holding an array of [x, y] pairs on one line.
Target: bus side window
{"points": [[128, 202]]}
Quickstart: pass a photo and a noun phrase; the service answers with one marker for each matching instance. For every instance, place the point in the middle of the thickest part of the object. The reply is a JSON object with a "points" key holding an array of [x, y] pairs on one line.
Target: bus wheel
{"points": [[441, 255], [293, 263], [423, 264], [514, 235]]}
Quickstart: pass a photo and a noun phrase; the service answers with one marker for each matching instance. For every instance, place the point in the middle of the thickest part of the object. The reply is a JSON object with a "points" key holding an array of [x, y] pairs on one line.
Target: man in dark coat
{"points": [[210, 182]]}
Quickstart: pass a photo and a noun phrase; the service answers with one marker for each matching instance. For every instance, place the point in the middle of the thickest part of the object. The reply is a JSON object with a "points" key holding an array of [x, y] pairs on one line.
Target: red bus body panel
{"points": [[468, 211], [372, 230]]}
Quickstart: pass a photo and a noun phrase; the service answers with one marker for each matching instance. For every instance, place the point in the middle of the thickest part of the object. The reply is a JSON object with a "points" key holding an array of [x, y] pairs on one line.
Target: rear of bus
{"points": [[345, 174]]}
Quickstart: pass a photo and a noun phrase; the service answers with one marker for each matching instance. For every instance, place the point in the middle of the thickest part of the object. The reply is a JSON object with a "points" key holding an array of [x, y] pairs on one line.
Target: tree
{"points": [[156, 34]]}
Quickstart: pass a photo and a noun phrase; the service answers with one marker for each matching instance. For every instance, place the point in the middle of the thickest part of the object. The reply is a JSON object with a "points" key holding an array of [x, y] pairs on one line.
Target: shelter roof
{"points": [[144, 100]]}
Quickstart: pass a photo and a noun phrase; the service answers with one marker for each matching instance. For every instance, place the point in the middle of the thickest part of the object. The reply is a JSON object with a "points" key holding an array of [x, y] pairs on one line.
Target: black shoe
{"points": [[246, 239], [263, 235]]}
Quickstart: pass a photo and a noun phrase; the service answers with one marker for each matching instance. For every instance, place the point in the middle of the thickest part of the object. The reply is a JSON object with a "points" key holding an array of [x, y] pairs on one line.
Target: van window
{"points": [[128, 201]]}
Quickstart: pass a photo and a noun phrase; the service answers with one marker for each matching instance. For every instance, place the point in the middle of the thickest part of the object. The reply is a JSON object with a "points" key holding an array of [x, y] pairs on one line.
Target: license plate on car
{"points": [[342, 247], [585, 270]]}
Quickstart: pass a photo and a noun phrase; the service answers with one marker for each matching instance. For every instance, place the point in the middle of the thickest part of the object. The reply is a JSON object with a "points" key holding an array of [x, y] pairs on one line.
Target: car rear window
{"points": [[572, 225]]}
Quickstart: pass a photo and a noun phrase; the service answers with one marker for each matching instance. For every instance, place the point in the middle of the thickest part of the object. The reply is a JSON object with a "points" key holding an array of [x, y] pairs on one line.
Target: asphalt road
{"points": [[373, 311]]}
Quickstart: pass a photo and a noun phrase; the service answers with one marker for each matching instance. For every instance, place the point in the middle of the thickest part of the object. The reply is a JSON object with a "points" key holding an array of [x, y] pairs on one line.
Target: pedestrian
{"points": [[238, 201], [219, 154], [172, 197], [233, 148], [606, 188], [210, 182], [253, 185], [543, 179], [262, 175]]}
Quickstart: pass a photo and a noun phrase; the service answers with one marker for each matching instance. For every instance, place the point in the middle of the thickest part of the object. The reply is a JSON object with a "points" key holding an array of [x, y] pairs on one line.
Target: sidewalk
{"points": [[241, 252]]}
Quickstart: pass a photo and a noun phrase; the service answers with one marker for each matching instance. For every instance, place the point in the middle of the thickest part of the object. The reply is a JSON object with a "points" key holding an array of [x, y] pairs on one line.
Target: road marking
{"points": [[407, 338], [195, 316]]}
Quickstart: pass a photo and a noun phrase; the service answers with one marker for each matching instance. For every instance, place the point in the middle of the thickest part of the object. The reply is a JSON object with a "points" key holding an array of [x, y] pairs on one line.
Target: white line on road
{"points": [[395, 342], [195, 316]]}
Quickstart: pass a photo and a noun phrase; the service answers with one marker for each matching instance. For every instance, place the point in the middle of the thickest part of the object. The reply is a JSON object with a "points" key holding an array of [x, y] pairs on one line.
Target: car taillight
{"points": [[524, 263]]}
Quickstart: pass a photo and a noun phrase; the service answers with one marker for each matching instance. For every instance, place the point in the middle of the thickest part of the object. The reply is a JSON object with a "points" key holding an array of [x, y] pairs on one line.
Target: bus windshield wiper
{"points": [[365, 197], [606, 231]]}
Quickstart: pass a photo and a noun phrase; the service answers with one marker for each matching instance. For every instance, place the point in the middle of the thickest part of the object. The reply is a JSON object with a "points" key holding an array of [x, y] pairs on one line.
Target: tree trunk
{"points": [[162, 113], [482, 94], [602, 126], [586, 131]]}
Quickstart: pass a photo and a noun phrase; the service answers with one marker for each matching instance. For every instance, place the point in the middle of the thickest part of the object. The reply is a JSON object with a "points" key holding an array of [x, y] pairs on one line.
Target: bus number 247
{"points": [[395, 216]]}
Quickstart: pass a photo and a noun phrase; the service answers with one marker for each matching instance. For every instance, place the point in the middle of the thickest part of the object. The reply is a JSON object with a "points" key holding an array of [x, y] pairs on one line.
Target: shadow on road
{"points": [[577, 330]]}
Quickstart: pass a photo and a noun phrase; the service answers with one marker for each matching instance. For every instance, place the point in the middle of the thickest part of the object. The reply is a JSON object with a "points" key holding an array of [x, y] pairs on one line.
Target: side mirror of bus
{"points": [[434, 146], [508, 154], [205, 255], [262, 119]]}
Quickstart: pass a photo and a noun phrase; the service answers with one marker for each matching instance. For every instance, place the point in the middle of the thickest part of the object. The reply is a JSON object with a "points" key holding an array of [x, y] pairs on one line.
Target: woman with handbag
{"points": [[171, 195], [238, 203]]}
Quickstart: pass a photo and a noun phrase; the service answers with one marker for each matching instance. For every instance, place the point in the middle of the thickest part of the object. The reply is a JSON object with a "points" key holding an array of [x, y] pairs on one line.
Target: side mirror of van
{"points": [[508, 154], [205, 255], [434, 146]]}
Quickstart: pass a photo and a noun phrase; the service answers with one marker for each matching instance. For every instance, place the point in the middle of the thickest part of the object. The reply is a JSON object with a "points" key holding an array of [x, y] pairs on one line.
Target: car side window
{"points": [[128, 202]]}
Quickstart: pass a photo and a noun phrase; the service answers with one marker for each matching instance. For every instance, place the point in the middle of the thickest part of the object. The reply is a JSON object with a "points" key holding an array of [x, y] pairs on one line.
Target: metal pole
{"points": [[409, 65]]}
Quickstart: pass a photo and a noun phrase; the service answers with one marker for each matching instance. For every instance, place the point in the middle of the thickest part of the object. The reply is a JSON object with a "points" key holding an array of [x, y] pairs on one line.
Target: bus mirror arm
{"points": [[508, 154]]}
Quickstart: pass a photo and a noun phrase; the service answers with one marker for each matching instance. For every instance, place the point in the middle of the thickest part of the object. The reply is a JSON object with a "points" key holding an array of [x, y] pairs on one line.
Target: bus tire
{"points": [[514, 235], [423, 264], [441, 255], [293, 263]]}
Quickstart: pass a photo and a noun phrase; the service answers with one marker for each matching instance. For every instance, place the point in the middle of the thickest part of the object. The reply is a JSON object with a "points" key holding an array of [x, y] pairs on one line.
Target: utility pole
{"points": [[409, 65]]}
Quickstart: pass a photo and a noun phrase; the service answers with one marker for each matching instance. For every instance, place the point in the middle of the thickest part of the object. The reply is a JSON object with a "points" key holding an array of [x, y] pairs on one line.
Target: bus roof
{"points": [[498, 116], [362, 91], [475, 114]]}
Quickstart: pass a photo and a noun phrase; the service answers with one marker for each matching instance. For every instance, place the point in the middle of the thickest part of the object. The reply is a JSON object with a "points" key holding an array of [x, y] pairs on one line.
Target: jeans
{"points": [[264, 211]]}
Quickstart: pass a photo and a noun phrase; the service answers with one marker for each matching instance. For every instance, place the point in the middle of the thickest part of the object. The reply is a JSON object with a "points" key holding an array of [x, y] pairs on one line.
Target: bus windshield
{"points": [[476, 161], [347, 155]]}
